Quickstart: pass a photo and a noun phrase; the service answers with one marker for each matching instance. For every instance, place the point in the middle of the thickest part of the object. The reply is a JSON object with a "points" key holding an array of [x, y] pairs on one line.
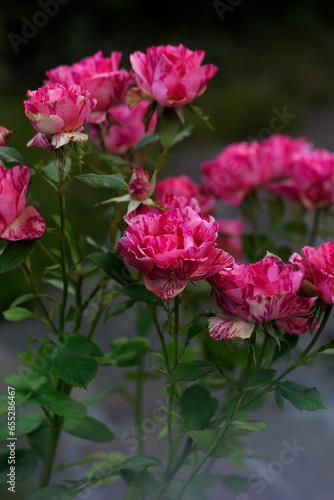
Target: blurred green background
{"points": [[270, 55]]}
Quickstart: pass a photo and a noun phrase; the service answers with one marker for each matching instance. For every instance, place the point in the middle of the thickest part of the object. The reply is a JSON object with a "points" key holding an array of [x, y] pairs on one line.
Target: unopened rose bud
{"points": [[139, 186]]}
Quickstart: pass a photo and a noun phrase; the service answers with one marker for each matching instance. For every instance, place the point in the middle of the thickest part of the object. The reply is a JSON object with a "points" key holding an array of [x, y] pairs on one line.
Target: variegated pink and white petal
{"points": [[226, 326], [165, 289], [63, 138], [97, 117], [40, 141], [27, 226], [46, 124]]}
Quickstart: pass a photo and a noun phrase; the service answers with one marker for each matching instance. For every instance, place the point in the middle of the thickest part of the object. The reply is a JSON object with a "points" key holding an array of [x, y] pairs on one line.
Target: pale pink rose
{"points": [[234, 173], [172, 76], [172, 248], [139, 186], [17, 222], [182, 185], [4, 136], [318, 269], [311, 179], [275, 154], [259, 293], [58, 113], [118, 139], [100, 77], [293, 326], [230, 236]]}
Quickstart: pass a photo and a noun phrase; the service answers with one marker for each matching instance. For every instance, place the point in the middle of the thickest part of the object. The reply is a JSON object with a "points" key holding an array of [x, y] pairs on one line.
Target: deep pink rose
{"points": [[100, 77], [58, 113], [172, 248], [258, 293], [275, 154], [17, 222], [318, 269], [4, 136], [118, 139], [230, 232], [173, 76], [234, 173], [182, 185], [311, 179]]}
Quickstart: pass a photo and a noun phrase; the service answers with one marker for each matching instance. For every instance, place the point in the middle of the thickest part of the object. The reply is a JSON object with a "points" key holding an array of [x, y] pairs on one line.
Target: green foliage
{"points": [[126, 352], [88, 428], [11, 155], [224, 446], [116, 309], [199, 324], [197, 407], [301, 397], [114, 181], [191, 371], [24, 425], [54, 492], [60, 404], [15, 253], [21, 395], [251, 425], [25, 463], [113, 265]]}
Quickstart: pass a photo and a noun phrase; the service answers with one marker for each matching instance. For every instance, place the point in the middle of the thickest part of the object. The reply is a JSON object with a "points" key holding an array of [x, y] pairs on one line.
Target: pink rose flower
{"points": [[182, 185], [311, 179], [100, 77], [230, 232], [258, 293], [318, 269], [4, 136], [118, 139], [234, 173], [275, 154], [58, 113], [172, 248], [173, 76], [17, 222]]}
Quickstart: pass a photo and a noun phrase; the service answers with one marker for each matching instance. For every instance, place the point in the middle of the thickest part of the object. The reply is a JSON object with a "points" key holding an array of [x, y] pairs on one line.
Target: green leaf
{"points": [[18, 314], [140, 293], [25, 380], [21, 395], [198, 325], [24, 425], [15, 253], [197, 407], [88, 428], [168, 127], [146, 140], [39, 441], [224, 446], [181, 135], [126, 352], [251, 425], [260, 378], [112, 160], [144, 320], [24, 464], [61, 404], [51, 170], [279, 399], [199, 113], [301, 397], [114, 181], [113, 265], [54, 492], [191, 371], [22, 299], [235, 483], [75, 360], [11, 155], [119, 308], [130, 463]]}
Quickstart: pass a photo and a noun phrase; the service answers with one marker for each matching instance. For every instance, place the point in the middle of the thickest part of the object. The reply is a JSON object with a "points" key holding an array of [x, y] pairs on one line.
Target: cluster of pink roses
{"points": [[289, 167], [94, 90]]}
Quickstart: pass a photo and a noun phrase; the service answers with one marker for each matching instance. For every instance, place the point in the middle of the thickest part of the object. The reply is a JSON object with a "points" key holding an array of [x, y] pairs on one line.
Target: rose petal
{"points": [[226, 326], [28, 225]]}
